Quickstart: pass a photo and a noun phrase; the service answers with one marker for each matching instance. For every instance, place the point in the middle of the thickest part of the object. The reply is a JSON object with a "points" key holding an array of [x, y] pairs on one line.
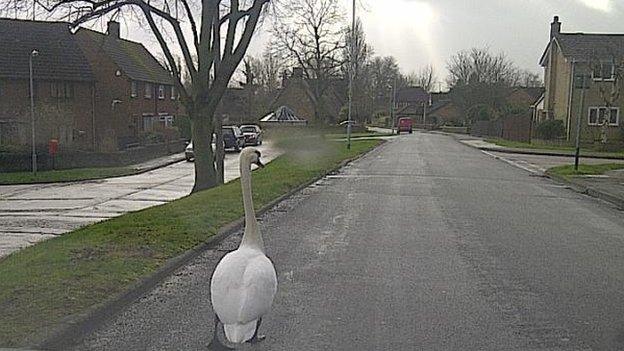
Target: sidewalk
{"points": [[486, 146], [158, 162], [608, 187]]}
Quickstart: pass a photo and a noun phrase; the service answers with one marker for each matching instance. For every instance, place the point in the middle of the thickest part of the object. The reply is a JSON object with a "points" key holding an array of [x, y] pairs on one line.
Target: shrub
{"points": [[550, 129]]}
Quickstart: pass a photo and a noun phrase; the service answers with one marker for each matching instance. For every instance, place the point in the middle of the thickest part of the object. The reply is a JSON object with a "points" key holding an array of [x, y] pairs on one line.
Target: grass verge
{"points": [[64, 175], [543, 146], [45, 284], [568, 171], [356, 135]]}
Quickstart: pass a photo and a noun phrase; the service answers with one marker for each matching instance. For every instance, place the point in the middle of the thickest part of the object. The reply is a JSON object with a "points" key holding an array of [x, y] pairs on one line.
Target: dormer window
{"points": [[133, 89], [161, 92], [148, 90], [603, 71]]}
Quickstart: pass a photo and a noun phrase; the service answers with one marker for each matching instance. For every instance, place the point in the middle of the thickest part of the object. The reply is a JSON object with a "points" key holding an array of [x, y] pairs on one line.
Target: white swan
{"points": [[244, 283]]}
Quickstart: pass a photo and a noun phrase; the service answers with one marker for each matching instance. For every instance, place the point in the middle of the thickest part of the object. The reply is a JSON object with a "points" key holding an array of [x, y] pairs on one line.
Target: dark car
{"points": [[232, 137], [252, 134]]}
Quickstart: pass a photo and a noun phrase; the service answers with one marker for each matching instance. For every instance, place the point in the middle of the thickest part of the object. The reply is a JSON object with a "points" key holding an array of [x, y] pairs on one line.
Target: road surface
{"points": [[424, 244], [31, 213]]}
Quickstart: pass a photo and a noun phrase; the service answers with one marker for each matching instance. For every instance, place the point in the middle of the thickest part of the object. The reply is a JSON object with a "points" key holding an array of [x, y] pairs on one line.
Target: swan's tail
{"points": [[239, 333]]}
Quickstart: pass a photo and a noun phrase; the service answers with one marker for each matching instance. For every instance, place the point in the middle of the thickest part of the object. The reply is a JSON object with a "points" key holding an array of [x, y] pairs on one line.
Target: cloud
{"points": [[601, 5]]}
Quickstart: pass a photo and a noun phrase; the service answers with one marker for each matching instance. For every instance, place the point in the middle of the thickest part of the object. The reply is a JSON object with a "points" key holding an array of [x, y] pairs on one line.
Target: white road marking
{"points": [[529, 167]]}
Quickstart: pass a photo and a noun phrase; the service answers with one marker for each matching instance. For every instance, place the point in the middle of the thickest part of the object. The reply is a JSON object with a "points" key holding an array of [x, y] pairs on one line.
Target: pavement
{"points": [[35, 212], [423, 244], [608, 187]]}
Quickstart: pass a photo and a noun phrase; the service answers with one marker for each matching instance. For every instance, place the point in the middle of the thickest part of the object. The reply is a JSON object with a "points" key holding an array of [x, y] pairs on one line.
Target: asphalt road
{"points": [[36, 212], [424, 244]]}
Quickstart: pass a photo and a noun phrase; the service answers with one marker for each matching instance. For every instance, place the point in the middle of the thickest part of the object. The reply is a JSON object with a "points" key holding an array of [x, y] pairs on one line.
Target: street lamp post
{"points": [[32, 54], [351, 66], [577, 148]]}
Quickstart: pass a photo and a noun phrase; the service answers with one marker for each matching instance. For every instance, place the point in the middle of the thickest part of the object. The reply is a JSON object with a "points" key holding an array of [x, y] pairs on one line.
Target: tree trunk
{"points": [[202, 130], [220, 150]]}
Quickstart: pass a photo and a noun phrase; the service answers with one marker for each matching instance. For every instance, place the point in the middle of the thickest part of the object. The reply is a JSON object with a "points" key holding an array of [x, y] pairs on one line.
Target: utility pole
{"points": [[392, 112], [33, 54], [351, 61], [577, 150]]}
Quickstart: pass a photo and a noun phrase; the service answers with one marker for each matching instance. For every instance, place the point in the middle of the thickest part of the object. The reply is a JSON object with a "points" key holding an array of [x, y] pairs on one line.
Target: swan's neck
{"points": [[252, 237]]}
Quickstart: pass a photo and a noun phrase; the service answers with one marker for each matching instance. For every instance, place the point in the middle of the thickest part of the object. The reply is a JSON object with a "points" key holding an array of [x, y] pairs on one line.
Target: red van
{"points": [[405, 125]]}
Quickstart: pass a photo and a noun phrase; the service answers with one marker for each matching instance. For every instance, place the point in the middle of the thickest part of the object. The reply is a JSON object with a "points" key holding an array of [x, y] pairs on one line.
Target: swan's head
{"points": [[252, 156]]}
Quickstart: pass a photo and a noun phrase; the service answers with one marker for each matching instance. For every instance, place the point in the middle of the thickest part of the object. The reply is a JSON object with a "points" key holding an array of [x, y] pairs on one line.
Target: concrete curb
{"points": [[536, 152], [82, 325], [583, 189]]}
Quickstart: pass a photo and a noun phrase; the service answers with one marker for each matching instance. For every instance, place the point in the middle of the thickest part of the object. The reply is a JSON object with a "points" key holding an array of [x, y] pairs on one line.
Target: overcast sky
{"points": [[421, 32]]}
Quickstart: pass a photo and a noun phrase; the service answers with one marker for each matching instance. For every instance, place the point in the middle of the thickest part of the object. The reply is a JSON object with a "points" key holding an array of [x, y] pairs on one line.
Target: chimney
{"points": [[555, 28], [113, 29]]}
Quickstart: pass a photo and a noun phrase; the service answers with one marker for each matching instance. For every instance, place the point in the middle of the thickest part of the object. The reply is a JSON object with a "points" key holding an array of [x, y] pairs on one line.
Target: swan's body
{"points": [[244, 283]]}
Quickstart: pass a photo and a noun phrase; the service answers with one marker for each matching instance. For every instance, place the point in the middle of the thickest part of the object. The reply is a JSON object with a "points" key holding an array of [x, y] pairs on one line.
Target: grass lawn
{"points": [[42, 285], [543, 146], [568, 170], [64, 175]]}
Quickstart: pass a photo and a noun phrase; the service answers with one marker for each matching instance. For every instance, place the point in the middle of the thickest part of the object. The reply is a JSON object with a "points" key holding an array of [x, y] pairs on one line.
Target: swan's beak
{"points": [[259, 163]]}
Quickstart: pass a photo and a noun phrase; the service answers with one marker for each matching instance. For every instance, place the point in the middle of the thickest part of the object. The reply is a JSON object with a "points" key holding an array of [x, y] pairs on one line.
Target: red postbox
{"points": [[53, 147]]}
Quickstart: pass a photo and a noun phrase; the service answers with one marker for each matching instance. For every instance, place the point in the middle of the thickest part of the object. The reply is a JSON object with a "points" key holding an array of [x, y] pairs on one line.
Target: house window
{"points": [[161, 92], [62, 90], [597, 116], [133, 89], [173, 97], [148, 90], [603, 71]]}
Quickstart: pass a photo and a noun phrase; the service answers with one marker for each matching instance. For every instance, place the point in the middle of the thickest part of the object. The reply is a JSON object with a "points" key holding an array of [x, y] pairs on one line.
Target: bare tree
{"points": [[529, 79], [478, 65], [311, 35], [424, 78], [362, 107], [384, 74], [211, 37], [480, 82]]}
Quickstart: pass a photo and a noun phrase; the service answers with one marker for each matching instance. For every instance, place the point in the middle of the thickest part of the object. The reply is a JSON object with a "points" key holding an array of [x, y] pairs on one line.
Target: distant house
{"points": [[92, 91], [571, 59], [294, 94], [411, 102], [134, 95], [64, 86]]}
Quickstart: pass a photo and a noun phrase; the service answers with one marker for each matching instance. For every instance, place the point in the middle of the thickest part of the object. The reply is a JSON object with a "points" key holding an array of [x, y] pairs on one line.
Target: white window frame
{"points": [[603, 79], [148, 90], [134, 88], [598, 122], [161, 92], [173, 93]]}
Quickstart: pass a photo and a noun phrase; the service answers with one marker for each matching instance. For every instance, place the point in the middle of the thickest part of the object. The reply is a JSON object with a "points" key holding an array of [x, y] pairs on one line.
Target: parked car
{"points": [[232, 137], [252, 134], [405, 125]]}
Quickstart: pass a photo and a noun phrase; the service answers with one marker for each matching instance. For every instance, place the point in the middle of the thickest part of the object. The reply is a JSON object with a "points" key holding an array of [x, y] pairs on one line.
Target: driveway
{"points": [[31, 213], [423, 244]]}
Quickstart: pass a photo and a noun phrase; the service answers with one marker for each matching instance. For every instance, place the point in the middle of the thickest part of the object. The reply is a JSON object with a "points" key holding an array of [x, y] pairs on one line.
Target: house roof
{"points": [[132, 58], [533, 93], [60, 57], [412, 94], [588, 46]]}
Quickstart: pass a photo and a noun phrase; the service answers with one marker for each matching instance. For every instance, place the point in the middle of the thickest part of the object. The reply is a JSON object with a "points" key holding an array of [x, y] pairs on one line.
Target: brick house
{"points": [[567, 59], [63, 86], [410, 102], [92, 91], [134, 94]]}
